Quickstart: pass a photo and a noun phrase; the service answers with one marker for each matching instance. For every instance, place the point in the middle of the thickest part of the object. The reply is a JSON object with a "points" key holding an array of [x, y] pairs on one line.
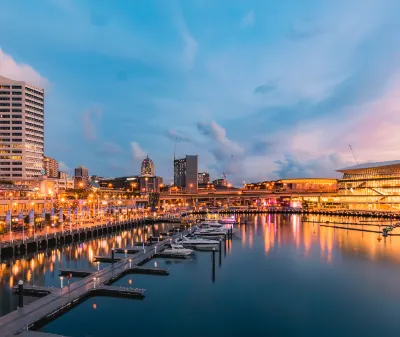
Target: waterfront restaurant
{"points": [[371, 186]]}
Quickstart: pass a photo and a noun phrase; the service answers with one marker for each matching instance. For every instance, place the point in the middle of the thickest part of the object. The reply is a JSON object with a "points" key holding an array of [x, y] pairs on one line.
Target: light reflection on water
{"points": [[42, 268], [282, 276]]}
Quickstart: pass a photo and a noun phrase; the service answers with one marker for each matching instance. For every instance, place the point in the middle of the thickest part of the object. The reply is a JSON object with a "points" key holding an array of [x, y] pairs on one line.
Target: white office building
{"points": [[21, 130]]}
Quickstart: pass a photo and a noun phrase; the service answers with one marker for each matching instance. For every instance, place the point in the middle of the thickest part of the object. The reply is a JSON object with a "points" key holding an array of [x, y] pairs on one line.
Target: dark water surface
{"points": [[280, 277], [43, 268]]}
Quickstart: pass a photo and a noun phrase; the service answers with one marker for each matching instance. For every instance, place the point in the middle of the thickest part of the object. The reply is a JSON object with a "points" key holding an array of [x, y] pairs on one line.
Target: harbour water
{"points": [[282, 276]]}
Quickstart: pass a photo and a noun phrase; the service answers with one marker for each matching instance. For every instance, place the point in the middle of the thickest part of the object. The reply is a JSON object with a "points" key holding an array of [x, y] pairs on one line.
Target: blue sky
{"points": [[259, 89]]}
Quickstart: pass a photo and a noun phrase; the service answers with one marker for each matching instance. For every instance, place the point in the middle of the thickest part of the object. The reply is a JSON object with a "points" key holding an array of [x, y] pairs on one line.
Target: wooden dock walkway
{"points": [[106, 259], [76, 272], [38, 334], [32, 290], [149, 271], [60, 300], [126, 250], [120, 292]]}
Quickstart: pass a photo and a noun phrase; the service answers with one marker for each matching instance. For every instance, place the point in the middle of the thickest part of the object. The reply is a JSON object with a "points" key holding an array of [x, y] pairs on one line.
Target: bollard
{"points": [[126, 253], [94, 283], [155, 250], [98, 265], [220, 252], [213, 265], [112, 255], [20, 294], [130, 263], [225, 243], [61, 280]]}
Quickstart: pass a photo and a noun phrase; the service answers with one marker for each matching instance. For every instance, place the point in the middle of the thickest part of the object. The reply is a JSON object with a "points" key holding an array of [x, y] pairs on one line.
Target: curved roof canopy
{"points": [[366, 166]]}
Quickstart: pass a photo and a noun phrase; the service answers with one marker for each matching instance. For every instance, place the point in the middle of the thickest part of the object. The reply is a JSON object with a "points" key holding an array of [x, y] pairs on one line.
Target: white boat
{"points": [[230, 220], [178, 250], [206, 224], [211, 232], [220, 226], [197, 242]]}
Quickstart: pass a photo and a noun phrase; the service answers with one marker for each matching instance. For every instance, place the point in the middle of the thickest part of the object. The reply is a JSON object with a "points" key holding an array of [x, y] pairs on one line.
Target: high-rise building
{"points": [[51, 167], [186, 173], [21, 130], [62, 175], [81, 177], [147, 168], [203, 178]]}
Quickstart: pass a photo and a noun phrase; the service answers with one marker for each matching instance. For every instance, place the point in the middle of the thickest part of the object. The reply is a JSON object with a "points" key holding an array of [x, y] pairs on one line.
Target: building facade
{"points": [[81, 177], [220, 183], [50, 167], [371, 186], [21, 130], [186, 173], [203, 178], [147, 168], [305, 185]]}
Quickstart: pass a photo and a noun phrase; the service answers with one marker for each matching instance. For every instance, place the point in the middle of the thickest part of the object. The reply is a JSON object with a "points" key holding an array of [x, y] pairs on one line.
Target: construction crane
{"points": [[351, 149]]}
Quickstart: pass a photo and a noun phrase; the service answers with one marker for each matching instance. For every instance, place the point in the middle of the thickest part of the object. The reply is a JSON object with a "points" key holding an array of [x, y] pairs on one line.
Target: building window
{"points": [[16, 157], [16, 87], [16, 104], [17, 93]]}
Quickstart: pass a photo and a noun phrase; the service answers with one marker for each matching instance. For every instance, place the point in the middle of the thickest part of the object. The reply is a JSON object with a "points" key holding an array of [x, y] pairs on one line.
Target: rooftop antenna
{"points": [[176, 138], [353, 154]]}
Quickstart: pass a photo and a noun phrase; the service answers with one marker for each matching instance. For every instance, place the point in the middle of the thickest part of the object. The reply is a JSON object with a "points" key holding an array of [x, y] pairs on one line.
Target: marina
{"points": [[273, 239], [55, 301]]}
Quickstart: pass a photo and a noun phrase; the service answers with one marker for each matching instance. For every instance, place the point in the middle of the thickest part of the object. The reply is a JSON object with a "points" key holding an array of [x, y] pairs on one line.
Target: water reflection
{"points": [[43, 268], [303, 237]]}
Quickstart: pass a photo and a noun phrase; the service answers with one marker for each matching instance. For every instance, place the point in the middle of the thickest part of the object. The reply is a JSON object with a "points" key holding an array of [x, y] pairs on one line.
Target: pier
{"points": [[58, 300], [13, 247], [35, 291], [75, 272]]}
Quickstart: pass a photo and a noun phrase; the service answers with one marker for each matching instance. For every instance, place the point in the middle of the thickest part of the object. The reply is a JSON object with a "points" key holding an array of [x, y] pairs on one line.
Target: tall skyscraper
{"points": [[21, 130], [185, 173], [81, 177], [147, 168], [51, 167]]}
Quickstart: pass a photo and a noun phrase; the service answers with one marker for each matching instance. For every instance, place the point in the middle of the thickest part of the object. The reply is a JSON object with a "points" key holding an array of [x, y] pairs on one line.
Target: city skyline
{"points": [[283, 99]]}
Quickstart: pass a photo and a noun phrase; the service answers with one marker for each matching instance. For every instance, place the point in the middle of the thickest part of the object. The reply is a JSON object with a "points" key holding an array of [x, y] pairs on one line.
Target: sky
{"points": [[259, 89]]}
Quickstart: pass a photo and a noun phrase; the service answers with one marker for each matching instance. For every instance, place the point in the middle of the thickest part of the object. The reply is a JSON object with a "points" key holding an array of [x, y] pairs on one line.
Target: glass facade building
{"points": [[371, 186]]}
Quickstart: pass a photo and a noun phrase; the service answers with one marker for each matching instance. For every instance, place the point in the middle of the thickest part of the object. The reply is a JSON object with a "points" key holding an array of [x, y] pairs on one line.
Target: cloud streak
{"points": [[90, 118]]}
